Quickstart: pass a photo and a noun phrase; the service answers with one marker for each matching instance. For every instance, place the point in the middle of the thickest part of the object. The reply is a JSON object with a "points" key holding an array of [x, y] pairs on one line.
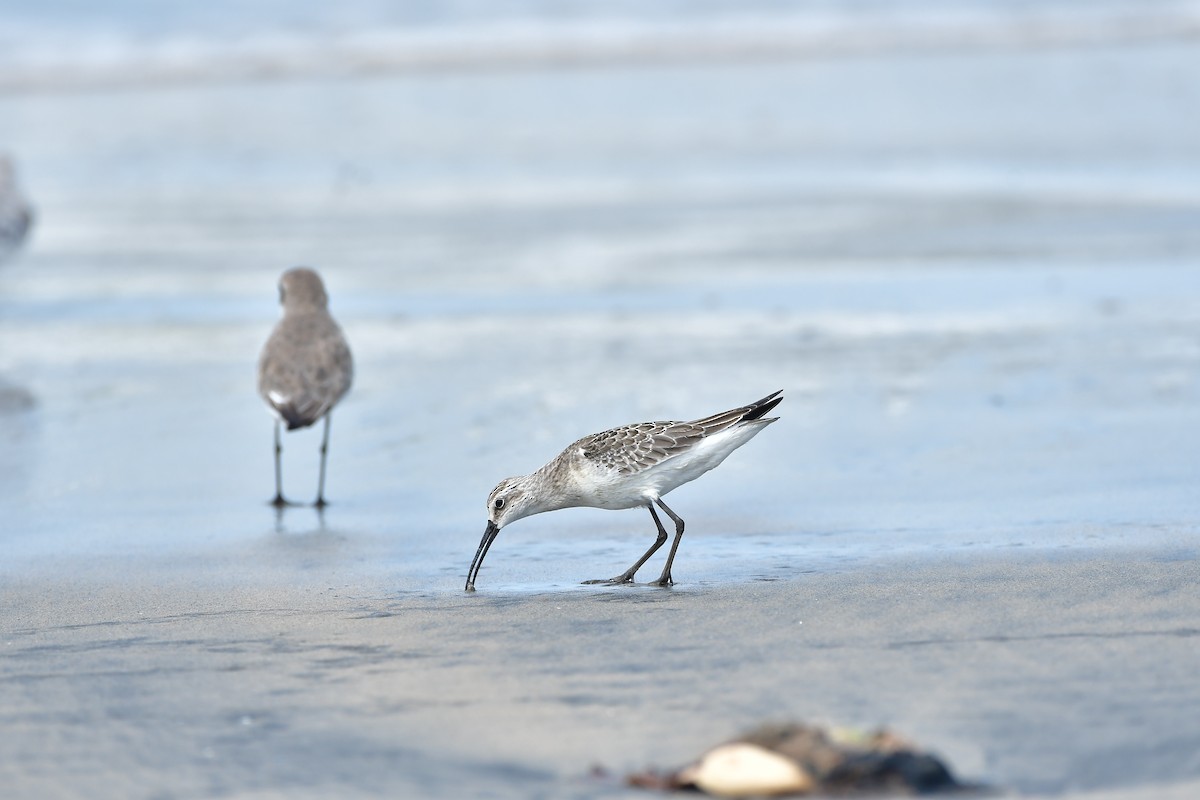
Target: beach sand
{"points": [[1039, 674]]}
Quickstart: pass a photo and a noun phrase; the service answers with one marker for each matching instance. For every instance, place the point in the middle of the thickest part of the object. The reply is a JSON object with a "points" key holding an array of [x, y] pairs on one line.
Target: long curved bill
{"points": [[489, 536]]}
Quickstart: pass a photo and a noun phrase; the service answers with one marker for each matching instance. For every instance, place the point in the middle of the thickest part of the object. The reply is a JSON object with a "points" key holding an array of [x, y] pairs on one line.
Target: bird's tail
{"points": [[747, 413], [759, 408]]}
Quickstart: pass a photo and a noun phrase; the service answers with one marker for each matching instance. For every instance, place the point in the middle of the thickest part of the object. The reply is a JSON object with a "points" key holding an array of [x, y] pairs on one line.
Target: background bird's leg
{"points": [[627, 575], [665, 578], [278, 502], [324, 451]]}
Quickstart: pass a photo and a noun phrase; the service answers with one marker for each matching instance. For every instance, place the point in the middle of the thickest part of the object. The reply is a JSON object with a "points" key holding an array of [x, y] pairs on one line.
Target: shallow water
{"points": [[1049, 407]]}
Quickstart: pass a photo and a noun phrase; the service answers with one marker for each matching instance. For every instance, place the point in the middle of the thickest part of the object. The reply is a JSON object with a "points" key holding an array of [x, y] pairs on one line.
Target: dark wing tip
{"points": [[759, 408]]}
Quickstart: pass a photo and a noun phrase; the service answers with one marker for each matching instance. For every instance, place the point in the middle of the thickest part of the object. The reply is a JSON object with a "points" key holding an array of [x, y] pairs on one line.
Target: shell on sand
{"points": [[797, 759], [740, 769]]}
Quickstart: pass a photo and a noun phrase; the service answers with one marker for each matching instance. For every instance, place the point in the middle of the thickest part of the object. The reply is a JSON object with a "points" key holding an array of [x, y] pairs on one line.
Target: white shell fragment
{"points": [[740, 770]]}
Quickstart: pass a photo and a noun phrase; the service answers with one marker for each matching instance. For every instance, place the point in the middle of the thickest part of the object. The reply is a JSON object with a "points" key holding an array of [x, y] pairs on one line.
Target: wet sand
{"points": [[1043, 674]]}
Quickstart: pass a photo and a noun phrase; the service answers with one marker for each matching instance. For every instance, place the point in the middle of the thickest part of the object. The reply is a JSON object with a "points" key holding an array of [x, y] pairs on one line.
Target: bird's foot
{"points": [[624, 578], [663, 581], [320, 503], [279, 502]]}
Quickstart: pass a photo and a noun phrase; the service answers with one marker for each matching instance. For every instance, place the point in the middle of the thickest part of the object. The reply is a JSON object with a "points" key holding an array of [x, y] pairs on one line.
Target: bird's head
{"points": [[301, 288], [509, 501]]}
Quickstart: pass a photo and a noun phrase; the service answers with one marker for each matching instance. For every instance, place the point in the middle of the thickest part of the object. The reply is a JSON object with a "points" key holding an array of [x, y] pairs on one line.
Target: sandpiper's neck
{"points": [[301, 308], [554, 486]]}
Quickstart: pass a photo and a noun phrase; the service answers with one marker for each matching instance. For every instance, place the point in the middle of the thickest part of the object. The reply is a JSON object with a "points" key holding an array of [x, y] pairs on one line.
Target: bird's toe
{"points": [[610, 581]]}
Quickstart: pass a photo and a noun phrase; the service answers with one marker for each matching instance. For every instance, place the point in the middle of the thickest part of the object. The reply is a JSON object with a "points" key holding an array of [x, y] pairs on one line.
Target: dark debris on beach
{"points": [[792, 759]]}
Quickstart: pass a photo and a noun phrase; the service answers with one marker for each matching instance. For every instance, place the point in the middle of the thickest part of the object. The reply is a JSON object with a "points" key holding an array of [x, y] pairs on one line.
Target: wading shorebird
{"points": [[305, 367], [626, 467], [16, 214]]}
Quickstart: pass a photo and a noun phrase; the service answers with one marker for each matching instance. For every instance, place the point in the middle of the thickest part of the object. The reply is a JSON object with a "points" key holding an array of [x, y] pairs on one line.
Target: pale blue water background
{"points": [[973, 272]]}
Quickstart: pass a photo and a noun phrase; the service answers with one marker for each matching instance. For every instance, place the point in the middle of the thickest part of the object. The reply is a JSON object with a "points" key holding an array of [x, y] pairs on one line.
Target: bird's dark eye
{"points": [[499, 504]]}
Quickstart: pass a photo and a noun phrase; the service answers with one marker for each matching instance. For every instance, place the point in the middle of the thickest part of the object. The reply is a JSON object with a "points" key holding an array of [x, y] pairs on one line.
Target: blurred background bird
{"points": [[305, 367], [16, 214]]}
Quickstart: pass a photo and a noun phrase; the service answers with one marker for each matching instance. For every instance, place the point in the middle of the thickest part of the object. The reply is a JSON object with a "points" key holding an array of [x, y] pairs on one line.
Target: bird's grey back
{"points": [[306, 366], [633, 448]]}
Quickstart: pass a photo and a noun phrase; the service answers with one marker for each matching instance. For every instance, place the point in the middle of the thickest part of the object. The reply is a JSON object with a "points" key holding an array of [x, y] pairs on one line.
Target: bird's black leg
{"points": [[324, 450], [627, 575], [665, 578], [278, 502]]}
